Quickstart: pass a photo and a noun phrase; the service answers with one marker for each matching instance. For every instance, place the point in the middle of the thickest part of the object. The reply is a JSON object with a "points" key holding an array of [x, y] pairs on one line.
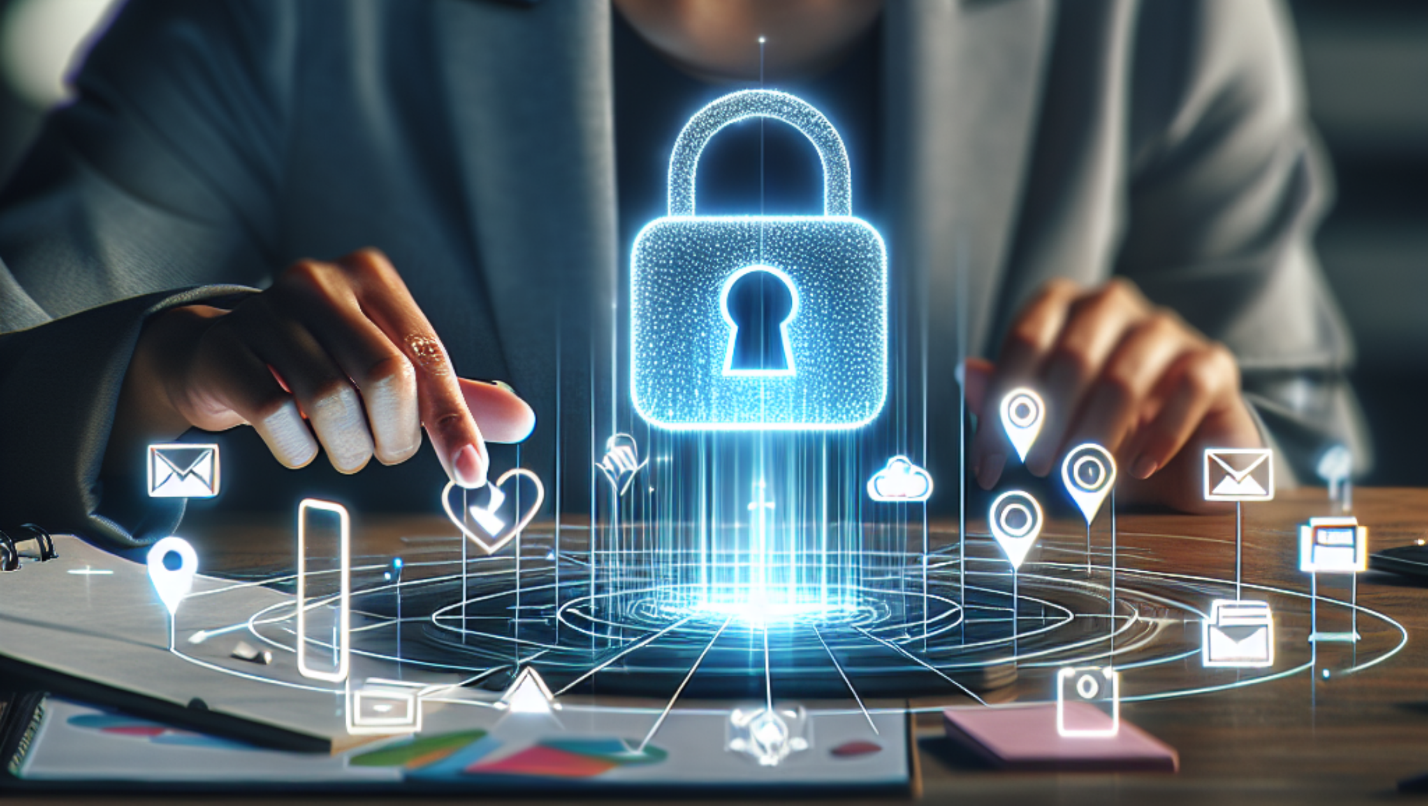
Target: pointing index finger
{"points": [[454, 432]]}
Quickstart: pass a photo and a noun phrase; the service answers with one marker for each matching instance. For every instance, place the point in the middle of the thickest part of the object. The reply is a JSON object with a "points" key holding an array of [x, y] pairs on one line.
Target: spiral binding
{"points": [[10, 553]]}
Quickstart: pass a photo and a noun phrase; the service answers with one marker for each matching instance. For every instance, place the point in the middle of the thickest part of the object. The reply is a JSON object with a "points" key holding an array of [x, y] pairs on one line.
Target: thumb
{"points": [[500, 413], [975, 374]]}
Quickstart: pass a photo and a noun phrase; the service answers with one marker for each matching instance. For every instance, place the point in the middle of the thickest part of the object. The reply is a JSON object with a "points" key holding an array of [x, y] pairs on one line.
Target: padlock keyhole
{"points": [[759, 303]]}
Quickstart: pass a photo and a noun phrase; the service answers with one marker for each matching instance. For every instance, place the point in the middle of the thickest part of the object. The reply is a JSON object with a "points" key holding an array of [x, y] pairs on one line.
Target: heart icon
{"points": [[488, 520]]}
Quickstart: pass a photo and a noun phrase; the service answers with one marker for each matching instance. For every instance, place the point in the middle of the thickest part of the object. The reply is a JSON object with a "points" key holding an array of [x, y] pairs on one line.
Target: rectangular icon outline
{"points": [[344, 595], [1063, 676], [378, 688]]}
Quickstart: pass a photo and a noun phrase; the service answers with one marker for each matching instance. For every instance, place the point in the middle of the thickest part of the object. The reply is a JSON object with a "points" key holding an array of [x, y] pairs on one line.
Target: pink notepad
{"points": [[1024, 737]]}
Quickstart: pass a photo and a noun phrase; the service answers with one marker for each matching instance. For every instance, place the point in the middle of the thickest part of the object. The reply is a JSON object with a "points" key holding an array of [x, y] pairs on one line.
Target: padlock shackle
{"points": [[732, 108]]}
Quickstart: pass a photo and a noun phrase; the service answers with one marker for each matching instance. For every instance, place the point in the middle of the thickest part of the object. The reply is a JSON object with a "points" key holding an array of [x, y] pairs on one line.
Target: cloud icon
{"points": [[901, 480]]}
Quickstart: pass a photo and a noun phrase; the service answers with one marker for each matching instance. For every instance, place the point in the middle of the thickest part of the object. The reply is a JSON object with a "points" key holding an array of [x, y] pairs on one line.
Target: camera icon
{"points": [[1088, 701]]}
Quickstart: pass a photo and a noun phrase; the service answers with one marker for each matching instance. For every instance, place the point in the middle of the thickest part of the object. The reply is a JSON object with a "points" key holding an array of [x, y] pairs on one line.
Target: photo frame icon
{"points": [[1239, 474], [1333, 546], [1238, 635], [1098, 686]]}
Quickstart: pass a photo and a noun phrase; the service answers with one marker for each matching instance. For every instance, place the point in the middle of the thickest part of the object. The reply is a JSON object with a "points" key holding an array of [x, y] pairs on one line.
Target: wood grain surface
{"points": [[1299, 739]]}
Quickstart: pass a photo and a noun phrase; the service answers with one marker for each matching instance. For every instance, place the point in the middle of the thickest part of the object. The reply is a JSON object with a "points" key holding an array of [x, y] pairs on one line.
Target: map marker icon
{"points": [[1089, 472], [172, 576], [172, 566], [1015, 521], [1022, 416]]}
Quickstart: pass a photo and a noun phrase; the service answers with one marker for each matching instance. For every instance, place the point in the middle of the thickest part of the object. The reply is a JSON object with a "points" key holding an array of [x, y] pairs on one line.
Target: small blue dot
{"points": [[1326, 674]]}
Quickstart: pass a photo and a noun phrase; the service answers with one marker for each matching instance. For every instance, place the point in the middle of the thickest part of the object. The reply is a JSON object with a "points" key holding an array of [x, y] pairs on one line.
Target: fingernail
{"points": [[1143, 467], [469, 469]]}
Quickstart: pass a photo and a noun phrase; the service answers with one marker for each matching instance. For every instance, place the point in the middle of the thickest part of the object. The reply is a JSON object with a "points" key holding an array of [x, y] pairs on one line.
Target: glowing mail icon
{"points": [[1239, 474], [1333, 545], [183, 470], [1238, 634]]}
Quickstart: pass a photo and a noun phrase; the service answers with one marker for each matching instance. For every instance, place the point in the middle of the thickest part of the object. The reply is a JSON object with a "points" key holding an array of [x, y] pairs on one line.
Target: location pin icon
{"points": [[1015, 521], [1089, 473], [1022, 416], [172, 565]]}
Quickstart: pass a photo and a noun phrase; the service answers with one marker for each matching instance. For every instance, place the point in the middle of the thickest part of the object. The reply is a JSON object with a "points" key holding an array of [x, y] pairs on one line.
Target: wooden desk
{"points": [[1300, 739]]}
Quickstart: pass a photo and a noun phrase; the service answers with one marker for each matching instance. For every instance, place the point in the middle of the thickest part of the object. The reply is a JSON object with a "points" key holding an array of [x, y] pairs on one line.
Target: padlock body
{"points": [[837, 338]]}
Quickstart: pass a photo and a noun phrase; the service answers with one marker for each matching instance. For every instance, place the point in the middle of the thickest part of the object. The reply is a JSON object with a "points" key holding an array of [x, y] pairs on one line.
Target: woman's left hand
{"points": [[1118, 371]]}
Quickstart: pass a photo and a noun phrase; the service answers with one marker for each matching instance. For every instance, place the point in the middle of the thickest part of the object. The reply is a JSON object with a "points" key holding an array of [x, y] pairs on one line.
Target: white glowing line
{"points": [[254, 677], [682, 684], [846, 681], [642, 643], [921, 662], [344, 551], [91, 572]]}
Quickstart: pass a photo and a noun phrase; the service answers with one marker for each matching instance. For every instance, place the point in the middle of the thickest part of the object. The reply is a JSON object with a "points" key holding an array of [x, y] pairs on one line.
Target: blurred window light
{"points": [[41, 39]]}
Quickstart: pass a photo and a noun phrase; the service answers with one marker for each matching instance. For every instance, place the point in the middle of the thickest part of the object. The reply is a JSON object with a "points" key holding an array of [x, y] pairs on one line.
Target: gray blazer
{"points": [[212, 143]]}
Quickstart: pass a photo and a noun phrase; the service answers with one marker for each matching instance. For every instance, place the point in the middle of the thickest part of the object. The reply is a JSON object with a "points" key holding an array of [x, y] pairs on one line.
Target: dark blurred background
{"points": [[1366, 69]]}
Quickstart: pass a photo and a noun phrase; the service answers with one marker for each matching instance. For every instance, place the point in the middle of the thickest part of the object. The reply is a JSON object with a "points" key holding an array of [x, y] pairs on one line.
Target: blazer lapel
{"points": [[529, 90], [963, 82]]}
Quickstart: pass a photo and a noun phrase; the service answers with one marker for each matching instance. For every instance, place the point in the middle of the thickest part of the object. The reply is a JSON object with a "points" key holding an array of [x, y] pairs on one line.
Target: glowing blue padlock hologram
{"points": [[834, 337]]}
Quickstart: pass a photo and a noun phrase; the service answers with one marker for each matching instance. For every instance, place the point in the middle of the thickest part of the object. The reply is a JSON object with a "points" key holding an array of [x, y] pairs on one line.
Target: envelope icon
{"points": [[1238, 634], [183, 470], [1239, 474], [1334, 546]]}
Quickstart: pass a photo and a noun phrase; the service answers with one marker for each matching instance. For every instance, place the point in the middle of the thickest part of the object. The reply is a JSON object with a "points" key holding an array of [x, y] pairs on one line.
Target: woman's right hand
{"points": [[335, 353]]}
